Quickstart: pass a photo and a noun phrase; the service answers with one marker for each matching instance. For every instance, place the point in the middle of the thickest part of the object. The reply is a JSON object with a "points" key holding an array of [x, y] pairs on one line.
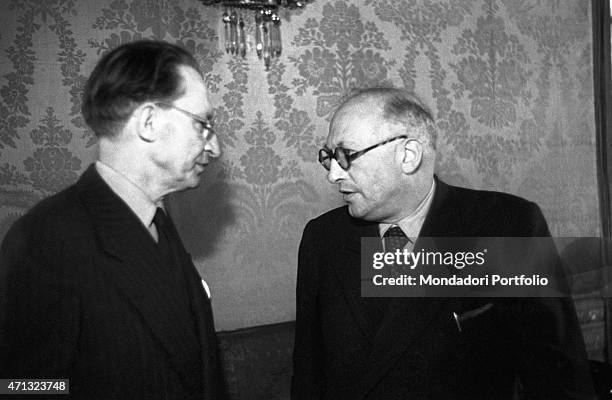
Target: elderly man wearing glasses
{"points": [[96, 286], [380, 152]]}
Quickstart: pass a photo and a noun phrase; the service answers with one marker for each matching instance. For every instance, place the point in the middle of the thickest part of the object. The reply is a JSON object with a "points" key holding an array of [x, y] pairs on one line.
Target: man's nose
{"points": [[336, 172], [212, 147]]}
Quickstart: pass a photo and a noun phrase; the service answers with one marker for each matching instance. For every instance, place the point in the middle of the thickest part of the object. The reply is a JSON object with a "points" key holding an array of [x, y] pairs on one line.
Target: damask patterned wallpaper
{"points": [[509, 83]]}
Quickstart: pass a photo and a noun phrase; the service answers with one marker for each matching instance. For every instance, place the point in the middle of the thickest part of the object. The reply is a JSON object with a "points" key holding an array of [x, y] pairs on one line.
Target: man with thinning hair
{"points": [[380, 152], [95, 284]]}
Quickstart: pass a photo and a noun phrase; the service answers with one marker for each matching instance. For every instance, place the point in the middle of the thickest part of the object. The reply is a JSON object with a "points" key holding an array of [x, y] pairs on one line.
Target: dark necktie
{"points": [[169, 243], [162, 223], [395, 239], [376, 307]]}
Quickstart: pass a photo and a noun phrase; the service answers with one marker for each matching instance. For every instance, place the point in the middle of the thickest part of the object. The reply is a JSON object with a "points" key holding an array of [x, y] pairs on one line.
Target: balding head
{"points": [[399, 109]]}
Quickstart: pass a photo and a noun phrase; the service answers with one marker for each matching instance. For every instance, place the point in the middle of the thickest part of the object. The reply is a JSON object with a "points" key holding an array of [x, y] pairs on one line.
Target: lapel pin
{"points": [[206, 288], [456, 317], [470, 314]]}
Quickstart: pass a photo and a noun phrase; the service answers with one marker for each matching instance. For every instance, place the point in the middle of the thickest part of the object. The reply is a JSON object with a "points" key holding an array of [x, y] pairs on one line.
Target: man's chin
{"points": [[361, 213], [191, 181], [195, 181], [354, 211]]}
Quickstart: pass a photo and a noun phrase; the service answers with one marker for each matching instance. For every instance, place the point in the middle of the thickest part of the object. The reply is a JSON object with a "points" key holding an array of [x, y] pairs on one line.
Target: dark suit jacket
{"points": [[83, 297], [418, 352]]}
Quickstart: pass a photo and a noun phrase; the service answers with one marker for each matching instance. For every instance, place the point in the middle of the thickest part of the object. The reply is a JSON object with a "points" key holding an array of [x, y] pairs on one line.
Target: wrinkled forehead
{"points": [[355, 126]]}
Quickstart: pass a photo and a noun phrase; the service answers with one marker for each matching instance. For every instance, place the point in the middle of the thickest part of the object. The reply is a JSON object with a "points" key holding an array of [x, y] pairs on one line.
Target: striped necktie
{"points": [[395, 239]]}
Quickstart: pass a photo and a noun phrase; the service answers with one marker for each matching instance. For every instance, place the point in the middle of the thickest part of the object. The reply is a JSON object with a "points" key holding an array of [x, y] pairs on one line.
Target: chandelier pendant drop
{"points": [[249, 24]]}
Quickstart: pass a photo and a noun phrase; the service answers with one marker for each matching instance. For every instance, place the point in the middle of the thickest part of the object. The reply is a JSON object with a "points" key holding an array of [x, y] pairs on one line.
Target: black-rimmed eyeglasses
{"points": [[207, 128], [344, 157]]}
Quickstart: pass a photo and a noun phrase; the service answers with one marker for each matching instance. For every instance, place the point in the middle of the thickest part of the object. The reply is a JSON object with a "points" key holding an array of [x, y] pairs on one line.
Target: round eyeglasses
{"points": [[345, 157]]}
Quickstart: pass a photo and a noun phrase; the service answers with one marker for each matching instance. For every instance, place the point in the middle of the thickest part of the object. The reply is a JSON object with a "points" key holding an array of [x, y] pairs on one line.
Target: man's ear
{"points": [[412, 156], [147, 116]]}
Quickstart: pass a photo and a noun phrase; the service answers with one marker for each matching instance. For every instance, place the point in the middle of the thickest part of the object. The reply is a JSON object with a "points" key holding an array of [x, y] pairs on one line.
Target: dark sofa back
{"points": [[257, 361]]}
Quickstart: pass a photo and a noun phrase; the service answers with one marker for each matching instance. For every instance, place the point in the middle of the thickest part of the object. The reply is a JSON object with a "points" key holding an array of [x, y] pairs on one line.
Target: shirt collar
{"points": [[412, 224], [135, 198]]}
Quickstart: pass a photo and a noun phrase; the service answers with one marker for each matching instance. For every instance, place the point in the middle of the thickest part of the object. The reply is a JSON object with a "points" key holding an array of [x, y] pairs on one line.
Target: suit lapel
{"points": [[407, 319], [202, 311], [347, 268], [135, 263]]}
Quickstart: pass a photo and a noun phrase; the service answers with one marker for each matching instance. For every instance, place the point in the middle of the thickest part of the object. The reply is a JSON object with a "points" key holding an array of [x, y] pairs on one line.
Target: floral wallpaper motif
{"points": [[51, 164], [509, 83], [51, 167], [344, 56], [491, 68]]}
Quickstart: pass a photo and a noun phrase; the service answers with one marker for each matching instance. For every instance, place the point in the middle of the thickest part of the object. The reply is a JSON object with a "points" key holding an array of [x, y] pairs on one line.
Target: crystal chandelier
{"points": [[265, 17]]}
